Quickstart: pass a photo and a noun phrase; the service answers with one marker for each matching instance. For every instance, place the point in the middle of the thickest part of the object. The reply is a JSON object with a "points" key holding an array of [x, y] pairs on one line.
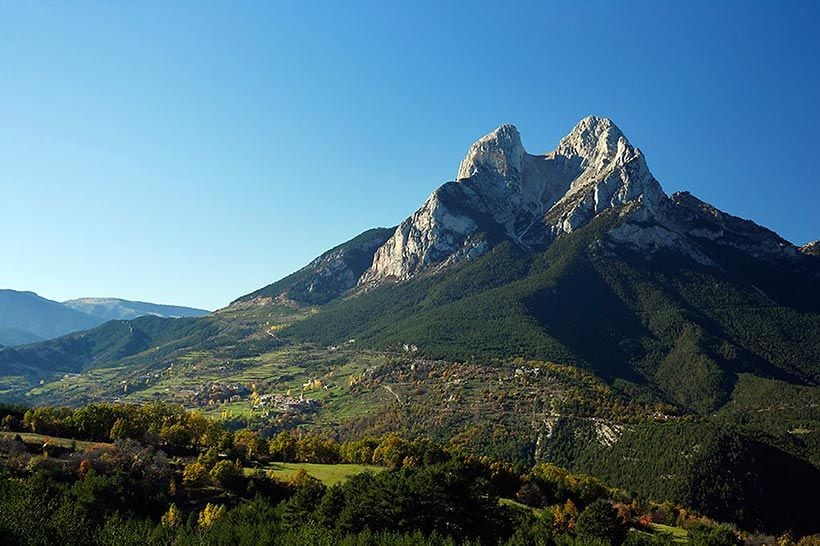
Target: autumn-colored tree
{"points": [[565, 516], [314, 449], [810, 540], [391, 451], [358, 451], [210, 515], [172, 518], [85, 466], [283, 447], [299, 477], [250, 444]]}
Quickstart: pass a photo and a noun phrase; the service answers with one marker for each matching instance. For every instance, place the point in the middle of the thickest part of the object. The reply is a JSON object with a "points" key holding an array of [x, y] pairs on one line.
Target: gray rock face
{"points": [[501, 191], [608, 172], [326, 277], [701, 221]]}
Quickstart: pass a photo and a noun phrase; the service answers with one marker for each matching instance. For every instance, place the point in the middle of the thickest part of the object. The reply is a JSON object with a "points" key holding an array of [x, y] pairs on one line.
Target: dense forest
{"points": [[158, 474]]}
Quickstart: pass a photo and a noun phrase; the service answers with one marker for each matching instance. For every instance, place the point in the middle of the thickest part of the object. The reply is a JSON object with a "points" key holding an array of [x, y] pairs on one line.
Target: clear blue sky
{"points": [[191, 152]]}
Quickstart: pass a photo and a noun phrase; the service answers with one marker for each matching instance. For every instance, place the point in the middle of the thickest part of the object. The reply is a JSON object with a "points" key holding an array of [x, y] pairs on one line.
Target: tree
{"points": [[331, 505], [173, 517], [309, 493], [313, 449], [226, 473], [600, 520], [391, 451], [250, 445], [210, 515], [283, 447], [194, 474], [717, 535]]}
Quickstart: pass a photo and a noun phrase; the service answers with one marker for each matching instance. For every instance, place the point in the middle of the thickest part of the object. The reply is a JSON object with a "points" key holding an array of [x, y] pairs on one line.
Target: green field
{"points": [[328, 474], [678, 534], [31, 438], [515, 504]]}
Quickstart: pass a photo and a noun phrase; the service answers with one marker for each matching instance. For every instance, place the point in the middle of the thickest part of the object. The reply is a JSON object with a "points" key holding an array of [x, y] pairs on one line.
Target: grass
{"points": [[31, 438], [678, 534], [328, 474], [519, 505]]}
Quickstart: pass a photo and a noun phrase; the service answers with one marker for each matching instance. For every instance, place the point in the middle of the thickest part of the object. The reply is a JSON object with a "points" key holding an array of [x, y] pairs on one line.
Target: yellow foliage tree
{"points": [[210, 514], [172, 518]]}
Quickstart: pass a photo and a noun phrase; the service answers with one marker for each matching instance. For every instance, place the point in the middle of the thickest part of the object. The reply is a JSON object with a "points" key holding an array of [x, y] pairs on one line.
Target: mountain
{"points": [[26, 317], [575, 256], [549, 307], [503, 193], [16, 336], [109, 343], [578, 256], [811, 249], [119, 309]]}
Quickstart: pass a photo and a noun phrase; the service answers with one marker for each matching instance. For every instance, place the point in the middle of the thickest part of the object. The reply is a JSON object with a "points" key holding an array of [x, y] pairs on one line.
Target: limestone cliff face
{"points": [[436, 234], [607, 172]]}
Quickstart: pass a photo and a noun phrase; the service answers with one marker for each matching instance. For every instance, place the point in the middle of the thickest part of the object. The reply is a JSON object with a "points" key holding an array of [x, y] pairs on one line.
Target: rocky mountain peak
{"points": [[594, 140], [498, 153]]}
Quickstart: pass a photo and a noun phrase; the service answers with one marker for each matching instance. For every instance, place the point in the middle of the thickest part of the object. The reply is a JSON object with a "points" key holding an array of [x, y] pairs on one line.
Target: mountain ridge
{"points": [[122, 309], [501, 192], [33, 317], [26, 317]]}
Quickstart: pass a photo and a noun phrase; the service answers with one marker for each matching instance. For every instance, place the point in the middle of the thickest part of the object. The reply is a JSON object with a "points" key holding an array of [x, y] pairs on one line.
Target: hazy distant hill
{"points": [[16, 336], [119, 309], [26, 317]]}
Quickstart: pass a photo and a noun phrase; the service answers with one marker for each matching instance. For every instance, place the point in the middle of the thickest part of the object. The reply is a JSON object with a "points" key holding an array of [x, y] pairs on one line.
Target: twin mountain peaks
{"points": [[502, 193]]}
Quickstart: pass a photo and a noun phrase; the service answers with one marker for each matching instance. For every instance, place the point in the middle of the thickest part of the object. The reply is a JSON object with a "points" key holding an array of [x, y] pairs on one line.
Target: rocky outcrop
{"points": [[326, 277], [811, 249], [609, 172], [701, 221]]}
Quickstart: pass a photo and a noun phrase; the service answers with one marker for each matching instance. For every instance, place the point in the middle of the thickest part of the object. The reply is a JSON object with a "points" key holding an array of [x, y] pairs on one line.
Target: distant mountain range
{"points": [[26, 317], [119, 309]]}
